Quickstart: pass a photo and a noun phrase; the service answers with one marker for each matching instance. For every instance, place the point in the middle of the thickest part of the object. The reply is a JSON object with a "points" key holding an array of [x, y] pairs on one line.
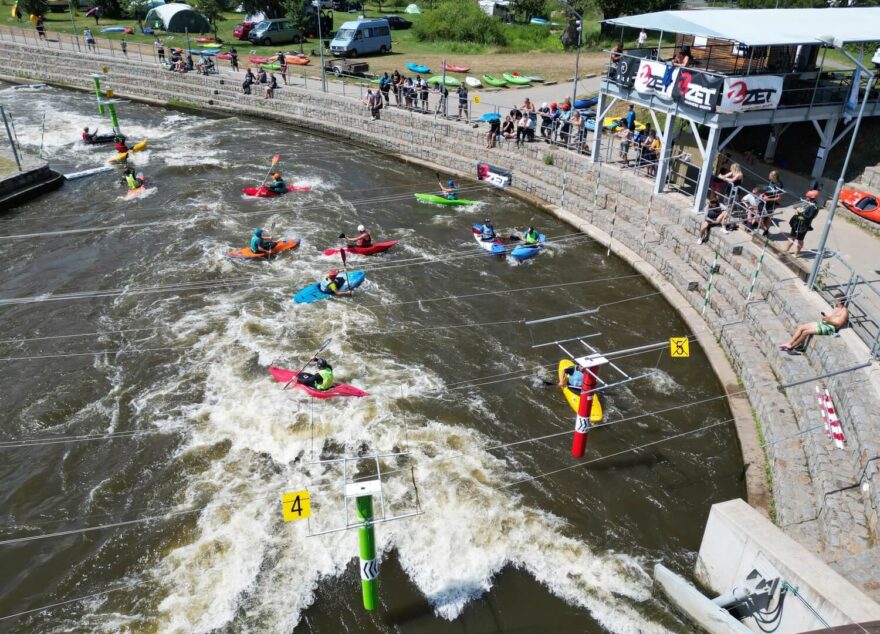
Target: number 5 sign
{"points": [[296, 505]]}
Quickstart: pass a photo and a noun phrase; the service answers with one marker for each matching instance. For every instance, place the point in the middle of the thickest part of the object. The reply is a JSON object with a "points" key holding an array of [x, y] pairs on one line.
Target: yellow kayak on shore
{"points": [[574, 399]]}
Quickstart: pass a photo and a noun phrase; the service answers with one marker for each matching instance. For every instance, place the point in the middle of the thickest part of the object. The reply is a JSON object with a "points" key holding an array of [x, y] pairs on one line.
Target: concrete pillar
{"points": [[825, 141], [597, 135], [706, 171], [665, 154]]}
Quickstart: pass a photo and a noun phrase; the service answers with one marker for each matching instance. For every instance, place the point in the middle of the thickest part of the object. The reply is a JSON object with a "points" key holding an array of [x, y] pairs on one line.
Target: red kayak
{"points": [[340, 389], [261, 60], [861, 203], [224, 56], [265, 192], [246, 254], [376, 247], [457, 69]]}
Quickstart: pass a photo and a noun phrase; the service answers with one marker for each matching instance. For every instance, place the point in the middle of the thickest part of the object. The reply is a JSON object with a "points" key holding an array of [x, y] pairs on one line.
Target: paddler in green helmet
{"points": [[320, 380]]}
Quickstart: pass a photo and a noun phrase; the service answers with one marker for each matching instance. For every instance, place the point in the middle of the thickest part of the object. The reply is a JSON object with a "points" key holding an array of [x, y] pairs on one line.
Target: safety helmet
{"points": [[85, 129], [813, 193], [361, 228], [544, 104], [332, 273], [450, 182], [322, 363], [530, 229], [488, 221], [258, 232], [276, 175], [552, 104]]}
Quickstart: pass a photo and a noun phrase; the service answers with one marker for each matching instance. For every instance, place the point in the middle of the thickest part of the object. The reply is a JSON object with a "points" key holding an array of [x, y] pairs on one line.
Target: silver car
{"points": [[269, 32]]}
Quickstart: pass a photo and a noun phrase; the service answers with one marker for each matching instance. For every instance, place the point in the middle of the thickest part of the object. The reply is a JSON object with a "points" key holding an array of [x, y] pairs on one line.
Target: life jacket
{"points": [[365, 241], [279, 186], [452, 195], [255, 244], [576, 379], [488, 232], [330, 286], [326, 379], [531, 237], [121, 147], [132, 181], [86, 137]]}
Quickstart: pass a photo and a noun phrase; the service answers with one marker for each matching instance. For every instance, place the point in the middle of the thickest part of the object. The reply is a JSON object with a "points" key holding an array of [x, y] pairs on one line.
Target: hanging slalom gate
{"points": [[363, 505]]}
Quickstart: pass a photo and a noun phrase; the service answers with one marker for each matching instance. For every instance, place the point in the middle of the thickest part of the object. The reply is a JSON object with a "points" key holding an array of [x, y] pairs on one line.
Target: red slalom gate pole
{"points": [[582, 422]]}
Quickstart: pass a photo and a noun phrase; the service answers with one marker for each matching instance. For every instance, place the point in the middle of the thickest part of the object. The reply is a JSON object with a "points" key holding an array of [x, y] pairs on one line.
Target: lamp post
{"points": [[820, 251], [577, 57], [321, 48]]}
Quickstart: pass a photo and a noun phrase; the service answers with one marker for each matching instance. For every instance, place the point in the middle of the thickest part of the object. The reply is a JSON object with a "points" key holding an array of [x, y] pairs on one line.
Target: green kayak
{"points": [[493, 81], [273, 67], [516, 79], [441, 200], [450, 81]]}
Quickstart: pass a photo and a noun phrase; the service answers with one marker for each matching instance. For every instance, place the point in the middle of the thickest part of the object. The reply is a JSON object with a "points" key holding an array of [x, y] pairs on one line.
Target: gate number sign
{"points": [[679, 348], [296, 505]]}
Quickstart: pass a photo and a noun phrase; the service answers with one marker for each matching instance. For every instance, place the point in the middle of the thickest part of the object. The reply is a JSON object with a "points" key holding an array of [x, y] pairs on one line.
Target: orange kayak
{"points": [[861, 203], [296, 60], [247, 254]]}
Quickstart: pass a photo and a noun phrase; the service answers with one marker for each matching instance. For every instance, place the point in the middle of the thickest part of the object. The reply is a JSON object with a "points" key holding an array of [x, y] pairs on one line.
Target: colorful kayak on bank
{"points": [[340, 389], [861, 203], [312, 292], [443, 200], [376, 247], [450, 81], [265, 192], [417, 68], [494, 246], [526, 251], [493, 81], [574, 398], [451, 68], [246, 254], [516, 79]]}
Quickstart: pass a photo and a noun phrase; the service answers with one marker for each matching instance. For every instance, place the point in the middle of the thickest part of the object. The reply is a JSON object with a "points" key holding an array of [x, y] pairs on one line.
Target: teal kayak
{"points": [[442, 200], [516, 79]]}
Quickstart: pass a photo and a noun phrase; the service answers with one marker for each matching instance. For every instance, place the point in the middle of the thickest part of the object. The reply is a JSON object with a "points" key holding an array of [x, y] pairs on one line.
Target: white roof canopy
{"points": [[765, 27]]}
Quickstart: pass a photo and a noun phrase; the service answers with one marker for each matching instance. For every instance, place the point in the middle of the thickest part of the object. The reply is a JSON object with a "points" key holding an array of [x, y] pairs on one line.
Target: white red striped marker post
{"points": [[822, 411], [834, 422]]}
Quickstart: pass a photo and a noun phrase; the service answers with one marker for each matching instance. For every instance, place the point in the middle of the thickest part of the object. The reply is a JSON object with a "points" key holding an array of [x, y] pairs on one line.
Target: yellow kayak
{"points": [[119, 158], [575, 399], [137, 147], [611, 123]]}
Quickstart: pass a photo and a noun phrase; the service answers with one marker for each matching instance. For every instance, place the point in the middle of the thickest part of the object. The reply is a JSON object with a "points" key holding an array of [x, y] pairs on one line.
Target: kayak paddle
{"points": [[345, 269], [275, 159], [312, 358]]}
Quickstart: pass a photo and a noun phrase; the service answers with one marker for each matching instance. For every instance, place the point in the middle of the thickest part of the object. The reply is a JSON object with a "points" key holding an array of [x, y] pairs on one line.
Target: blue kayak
{"points": [[524, 252], [539, 21], [113, 29], [490, 116], [312, 292], [417, 68], [586, 103]]}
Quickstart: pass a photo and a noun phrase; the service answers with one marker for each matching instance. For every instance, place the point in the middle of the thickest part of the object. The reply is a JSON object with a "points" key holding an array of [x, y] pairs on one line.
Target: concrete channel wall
{"points": [[825, 498]]}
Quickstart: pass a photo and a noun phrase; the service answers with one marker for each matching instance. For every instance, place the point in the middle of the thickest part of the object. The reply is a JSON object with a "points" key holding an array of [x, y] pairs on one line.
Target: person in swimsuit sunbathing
{"points": [[827, 325]]}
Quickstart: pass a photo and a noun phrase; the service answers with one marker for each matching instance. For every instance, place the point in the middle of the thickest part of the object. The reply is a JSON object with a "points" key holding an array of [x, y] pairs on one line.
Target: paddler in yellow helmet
{"points": [[278, 185]]}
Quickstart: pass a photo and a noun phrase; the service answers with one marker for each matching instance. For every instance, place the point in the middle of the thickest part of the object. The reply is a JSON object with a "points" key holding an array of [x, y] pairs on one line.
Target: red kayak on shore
{"points": [[376, 247], [861, 203], [265, 192], [457, 69], [261, 60], [340, 389]]}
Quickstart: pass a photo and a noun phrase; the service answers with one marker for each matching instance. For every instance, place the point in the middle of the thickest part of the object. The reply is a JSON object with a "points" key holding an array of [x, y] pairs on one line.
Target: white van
{"points": [[361, 38]]}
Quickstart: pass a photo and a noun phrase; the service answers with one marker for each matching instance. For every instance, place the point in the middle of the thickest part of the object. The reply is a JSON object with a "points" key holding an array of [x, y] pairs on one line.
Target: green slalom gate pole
{"points": [[758, 268], [709, 286], [97, 81], [113, 120], [367, 541]]}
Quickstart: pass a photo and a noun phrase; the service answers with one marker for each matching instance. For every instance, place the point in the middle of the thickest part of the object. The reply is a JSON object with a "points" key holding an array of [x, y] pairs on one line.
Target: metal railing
{"points": [[863, 299]]}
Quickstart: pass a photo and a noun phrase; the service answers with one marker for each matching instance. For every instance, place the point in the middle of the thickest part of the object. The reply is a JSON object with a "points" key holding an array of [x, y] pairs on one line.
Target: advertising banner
{"points": [[697, 90], [497, 176], [655, 78], [761, 92]]}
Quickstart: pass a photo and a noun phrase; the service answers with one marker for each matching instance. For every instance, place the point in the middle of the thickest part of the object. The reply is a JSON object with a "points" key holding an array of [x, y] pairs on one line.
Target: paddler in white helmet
{"points": [[363, 239]]}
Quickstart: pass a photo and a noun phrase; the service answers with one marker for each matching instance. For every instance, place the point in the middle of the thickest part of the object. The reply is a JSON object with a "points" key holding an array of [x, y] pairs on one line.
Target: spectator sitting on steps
{"points": [[827, 325]]}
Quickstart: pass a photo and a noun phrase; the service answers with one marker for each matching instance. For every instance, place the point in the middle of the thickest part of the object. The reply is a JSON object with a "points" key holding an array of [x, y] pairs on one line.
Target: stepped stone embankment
{"points": [[825, 498]]}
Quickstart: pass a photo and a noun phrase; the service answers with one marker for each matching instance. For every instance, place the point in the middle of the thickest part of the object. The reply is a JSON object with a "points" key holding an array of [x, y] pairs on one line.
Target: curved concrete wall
{"points": [[818, 493]]}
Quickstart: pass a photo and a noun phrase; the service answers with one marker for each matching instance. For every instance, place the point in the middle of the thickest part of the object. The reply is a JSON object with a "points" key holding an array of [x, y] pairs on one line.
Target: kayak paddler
{"points": [[363, 239], [450, 190], [131, 180], [487, 230], [331, 284], [575, 376], [89, 137], [261, 243], [278, 185], [119, 144], [320, 380], [530, 236]]}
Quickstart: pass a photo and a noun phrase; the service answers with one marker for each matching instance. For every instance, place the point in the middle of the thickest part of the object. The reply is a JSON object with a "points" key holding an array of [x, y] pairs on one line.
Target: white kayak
{"points": [[492, 246], [473, 82]]}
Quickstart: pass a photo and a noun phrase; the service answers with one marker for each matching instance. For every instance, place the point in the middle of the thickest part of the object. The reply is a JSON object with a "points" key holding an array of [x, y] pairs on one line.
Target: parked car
{"points": [[397, 23], [269, 32], [241, 31], [362, 37]]}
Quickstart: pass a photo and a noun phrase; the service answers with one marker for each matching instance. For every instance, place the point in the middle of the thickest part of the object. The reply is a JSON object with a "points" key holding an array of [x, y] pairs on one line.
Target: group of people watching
{"points": [[412, 93]]}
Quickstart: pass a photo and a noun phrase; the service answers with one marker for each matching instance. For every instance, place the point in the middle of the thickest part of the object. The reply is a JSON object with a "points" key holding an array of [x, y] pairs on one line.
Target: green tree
{"points": [[213, 12], [616, 8], [136, 9], [297, 11], [33, 7], [524, 10], [109, 8], [270, 8], [460, 21]]}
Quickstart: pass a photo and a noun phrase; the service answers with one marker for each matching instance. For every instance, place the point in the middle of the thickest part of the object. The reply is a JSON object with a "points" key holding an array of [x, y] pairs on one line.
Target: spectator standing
{"points": [[271, 86], [97, 15], [385, 87], [233, 58], [773, 193], [444, 95], [409, 91], [576, 121], [733, 177], [124, 46], [396, 86], [160, 50], [546, 120], [423, 93], [802, 221], [463, 101], [283, 71], [625, 135], [41, 27], [522, 126], [643, 38], [630, 117], [90, 39]]}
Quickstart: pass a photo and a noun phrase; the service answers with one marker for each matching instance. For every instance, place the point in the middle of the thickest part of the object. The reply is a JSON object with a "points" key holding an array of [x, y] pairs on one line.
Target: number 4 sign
{"points": [[296, 505]]}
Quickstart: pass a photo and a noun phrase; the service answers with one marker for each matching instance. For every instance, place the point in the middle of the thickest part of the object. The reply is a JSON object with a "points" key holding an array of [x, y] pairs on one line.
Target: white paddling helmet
{"points": [[361, 228]]}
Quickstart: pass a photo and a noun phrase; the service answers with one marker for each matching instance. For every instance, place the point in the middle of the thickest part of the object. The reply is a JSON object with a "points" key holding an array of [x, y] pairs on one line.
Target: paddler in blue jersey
{"points": [[487, 230], [450, 190], [261, 243], [575, 378], [331, 284], [320, 380], [278, 185]]}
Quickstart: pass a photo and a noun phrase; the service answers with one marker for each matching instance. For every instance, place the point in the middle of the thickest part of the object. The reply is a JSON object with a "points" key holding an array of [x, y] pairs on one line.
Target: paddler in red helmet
{"points": [[332, 284], [278, 185]]}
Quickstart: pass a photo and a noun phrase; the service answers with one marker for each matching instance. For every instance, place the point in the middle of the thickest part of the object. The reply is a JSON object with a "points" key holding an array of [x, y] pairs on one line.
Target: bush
{"points": [[460, 21]]}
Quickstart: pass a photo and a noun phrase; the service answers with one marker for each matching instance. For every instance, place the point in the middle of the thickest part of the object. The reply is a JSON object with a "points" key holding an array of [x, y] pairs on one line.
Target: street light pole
{"points": [[820, 251], [577, 56], [321, 48]]}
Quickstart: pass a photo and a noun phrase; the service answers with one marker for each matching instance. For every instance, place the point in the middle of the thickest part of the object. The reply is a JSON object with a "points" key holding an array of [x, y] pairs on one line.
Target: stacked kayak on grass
{"points": [[516, 79], [493, 81], [340, 389], [246, 254], [493, 246], [265, 192], [376, 247], [312, 292], [417, 68], [450, 81], [473, 82], [442, 200], [456, 69], [574, 398], [526, 251], [297, 59]]}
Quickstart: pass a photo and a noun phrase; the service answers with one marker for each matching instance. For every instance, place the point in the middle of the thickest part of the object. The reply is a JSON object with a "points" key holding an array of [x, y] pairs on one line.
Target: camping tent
{"points": [[177, 18], [413, 8]]}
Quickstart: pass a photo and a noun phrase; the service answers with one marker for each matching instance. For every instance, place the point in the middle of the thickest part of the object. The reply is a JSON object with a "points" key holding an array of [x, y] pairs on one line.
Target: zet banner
{"points": [[497, 176], [655, 78], [696, 89], [761, 92]]}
